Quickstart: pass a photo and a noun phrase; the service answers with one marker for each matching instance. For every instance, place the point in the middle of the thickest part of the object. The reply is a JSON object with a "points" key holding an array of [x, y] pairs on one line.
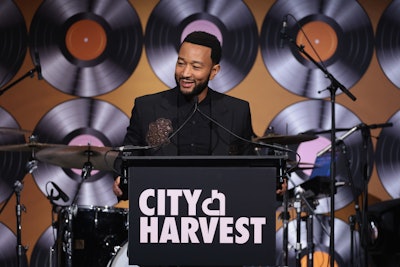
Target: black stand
{"points": [[298, 248], [86, 172], [285, 216], [30, 73], [302, 201], [332, 88], [21, 250]]}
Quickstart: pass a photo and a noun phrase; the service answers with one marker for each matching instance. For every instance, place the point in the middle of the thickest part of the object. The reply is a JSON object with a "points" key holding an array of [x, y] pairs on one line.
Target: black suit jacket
{"points": [[230, 112]]}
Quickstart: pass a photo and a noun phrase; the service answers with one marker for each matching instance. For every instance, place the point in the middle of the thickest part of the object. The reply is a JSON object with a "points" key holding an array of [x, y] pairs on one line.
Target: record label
{"points": [[86, 48], [339, 31], [71, 129], [172, 20], [314, 117]]}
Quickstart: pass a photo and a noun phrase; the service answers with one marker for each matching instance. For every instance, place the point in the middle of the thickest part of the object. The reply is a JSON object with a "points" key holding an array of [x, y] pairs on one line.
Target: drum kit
{"points": [[86, 235], [93, 235]]}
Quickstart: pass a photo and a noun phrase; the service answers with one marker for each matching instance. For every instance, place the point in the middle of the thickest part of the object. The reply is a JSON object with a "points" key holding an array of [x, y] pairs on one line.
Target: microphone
{"points": [[38, 66], [375, 126], [61, 193], [196, 102], [283, 31], [341, 138], [239, 137]]}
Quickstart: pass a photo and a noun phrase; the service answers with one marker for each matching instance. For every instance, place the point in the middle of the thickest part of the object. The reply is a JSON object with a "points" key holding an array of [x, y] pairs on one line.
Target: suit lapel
{"points": [[168, 109]]}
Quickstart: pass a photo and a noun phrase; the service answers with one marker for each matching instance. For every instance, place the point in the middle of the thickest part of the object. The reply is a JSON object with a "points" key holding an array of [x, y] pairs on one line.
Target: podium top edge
{"points": [[204, 160]]}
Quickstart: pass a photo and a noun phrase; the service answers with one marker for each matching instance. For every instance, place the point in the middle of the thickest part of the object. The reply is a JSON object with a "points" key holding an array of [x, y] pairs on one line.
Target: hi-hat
{"points": [[285, 139], [74, 157]]}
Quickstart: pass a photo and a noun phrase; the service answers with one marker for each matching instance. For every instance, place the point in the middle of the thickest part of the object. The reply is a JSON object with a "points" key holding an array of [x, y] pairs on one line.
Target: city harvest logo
{"points": [[183, 216]]}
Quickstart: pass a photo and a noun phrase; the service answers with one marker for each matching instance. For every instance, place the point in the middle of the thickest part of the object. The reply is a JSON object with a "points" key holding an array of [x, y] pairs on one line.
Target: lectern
{"points": [[208, 211]]}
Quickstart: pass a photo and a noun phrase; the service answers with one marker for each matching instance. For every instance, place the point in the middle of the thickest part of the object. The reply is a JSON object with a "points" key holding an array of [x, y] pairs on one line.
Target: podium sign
{"points": [[202, 210]]}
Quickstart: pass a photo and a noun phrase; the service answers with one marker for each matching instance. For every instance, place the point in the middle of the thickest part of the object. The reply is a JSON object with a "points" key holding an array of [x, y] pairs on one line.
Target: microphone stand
{"points": [[21, 250], [30, 73], [335, 84]]}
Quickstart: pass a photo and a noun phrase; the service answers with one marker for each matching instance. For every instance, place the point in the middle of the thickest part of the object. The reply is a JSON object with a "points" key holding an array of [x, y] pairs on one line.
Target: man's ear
{"points": [[215, 69]]}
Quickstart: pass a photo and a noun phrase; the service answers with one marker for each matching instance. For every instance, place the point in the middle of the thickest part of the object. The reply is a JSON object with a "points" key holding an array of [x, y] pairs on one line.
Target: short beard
{"points": [[198, 89]]}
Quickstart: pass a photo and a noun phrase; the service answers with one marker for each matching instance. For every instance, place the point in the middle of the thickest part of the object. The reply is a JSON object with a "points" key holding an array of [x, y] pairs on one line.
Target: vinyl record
{"points": [[314, 116], [341, 33], [12, 163], [86, 48], [76, 123], [14, 40], [388, 156], [321, 241], [44, 251], [8, 244], [387, 45], [232, 23]]}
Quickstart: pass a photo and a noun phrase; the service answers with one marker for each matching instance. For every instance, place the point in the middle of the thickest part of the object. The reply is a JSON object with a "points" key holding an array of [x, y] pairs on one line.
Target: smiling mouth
{"points": [[186, 84]]}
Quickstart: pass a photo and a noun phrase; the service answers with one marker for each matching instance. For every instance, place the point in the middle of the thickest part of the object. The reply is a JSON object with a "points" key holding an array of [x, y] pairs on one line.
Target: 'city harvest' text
{"points": [[156, 226]]}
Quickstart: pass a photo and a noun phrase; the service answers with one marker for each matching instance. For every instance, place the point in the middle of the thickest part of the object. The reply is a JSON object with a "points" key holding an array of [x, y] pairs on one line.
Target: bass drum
{"points": [[121, 258], [90, 235]]}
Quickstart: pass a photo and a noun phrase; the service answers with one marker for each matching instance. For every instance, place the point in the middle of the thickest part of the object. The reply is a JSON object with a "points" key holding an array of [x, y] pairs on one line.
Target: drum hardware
{"points": [[332, 88], [21, 250], [304, 199], [285, 139], [72, 157], [32, 146], [30, 73], [307, 204], [120, 259], [90, 235]]}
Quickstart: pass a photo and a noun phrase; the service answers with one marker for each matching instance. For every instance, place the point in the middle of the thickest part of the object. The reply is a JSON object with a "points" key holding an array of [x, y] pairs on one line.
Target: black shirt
{"points": [[195, 136]]}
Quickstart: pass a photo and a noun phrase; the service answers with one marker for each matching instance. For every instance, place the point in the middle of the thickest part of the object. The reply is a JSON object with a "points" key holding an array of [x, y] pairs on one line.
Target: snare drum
{"points": [[121, 258], [90, 235]]}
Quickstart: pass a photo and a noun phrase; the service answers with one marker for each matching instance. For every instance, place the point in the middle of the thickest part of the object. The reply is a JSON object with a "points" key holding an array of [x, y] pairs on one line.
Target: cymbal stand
{"points": [[333, 87], [297, 205], [86, 173], [21, 250], [285, 216]]}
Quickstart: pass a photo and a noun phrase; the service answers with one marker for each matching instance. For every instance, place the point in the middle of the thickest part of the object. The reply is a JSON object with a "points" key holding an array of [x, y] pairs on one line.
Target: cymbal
{"points": [[27, 147], [74, 157], [285, 139], [7, 130], [299, 166]]}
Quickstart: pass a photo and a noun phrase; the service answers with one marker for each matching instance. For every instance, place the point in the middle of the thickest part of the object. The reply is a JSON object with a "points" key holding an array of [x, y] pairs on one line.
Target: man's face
{"points": [[194, 68]]}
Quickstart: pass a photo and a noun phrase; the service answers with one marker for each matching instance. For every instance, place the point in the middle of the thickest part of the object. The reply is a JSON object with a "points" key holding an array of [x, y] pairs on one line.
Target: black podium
{"points": [[212, 210]]}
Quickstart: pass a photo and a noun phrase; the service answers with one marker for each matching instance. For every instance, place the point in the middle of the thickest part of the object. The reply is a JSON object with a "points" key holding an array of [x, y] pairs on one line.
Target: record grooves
{"points": [[388, 156], [315, 116], [8, 254], [12, 163], [320, 241], [87, 120], [14, 41], [63, 33], [290, 69], [387, 43], [170, 20]]}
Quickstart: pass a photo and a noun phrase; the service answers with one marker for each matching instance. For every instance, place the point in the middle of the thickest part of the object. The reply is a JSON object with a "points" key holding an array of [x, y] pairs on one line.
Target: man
{"points": [[191, 119]]}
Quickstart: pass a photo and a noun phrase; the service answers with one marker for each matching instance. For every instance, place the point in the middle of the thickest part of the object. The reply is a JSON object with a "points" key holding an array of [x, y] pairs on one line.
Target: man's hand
{"points": [[283, 188], [117, 191]]}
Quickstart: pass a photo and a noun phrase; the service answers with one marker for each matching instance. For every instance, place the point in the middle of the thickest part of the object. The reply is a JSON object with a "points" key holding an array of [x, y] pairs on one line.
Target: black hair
{"points": [[208, 40]]}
